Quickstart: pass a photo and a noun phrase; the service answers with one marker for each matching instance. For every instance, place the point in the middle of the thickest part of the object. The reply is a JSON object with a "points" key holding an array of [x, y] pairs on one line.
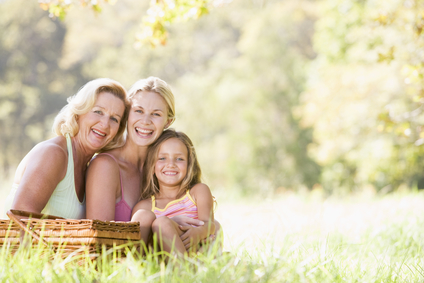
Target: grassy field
{"points": [[290, 238]]}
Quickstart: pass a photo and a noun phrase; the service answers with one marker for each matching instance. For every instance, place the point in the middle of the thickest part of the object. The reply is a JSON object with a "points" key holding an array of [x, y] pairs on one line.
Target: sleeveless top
{"points": [[122, 209], [183, 206], [64, 201]]}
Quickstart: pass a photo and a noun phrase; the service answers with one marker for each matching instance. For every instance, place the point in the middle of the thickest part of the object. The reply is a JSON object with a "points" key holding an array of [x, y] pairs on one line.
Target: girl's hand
{"points": [[187, 221], [191, 237]]}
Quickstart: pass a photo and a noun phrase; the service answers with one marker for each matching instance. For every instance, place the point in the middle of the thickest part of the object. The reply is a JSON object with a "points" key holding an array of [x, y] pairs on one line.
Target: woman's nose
{"points": [[105, 121], [145, 119]]}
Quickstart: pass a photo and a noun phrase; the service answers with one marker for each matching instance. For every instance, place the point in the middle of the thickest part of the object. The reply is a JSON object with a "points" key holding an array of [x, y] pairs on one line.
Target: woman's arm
{"points": [[204, 200], [102, 186], [38, 175]]}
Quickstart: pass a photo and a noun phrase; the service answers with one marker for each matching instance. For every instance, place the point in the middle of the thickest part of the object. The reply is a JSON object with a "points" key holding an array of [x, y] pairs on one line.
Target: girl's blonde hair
{"points": [[150, 184], [82, 102], [159, 86]]}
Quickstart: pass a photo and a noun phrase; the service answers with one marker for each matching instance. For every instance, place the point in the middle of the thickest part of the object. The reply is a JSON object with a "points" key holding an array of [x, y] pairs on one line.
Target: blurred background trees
{"points": [[275, 94]]}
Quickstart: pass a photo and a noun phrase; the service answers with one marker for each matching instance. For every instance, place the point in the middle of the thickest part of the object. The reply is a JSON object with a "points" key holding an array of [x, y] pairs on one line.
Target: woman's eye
{"points": [[156, 114], [98, 111], [138, 111], [114, 119]]}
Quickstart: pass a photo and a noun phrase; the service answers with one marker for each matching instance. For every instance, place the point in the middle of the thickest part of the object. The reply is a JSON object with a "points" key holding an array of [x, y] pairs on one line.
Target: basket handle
{"points": [[15, 219]]}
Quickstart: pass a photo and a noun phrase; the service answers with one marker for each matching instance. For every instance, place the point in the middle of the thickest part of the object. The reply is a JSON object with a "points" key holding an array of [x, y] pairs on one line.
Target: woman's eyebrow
{"points": [[105, 108]]}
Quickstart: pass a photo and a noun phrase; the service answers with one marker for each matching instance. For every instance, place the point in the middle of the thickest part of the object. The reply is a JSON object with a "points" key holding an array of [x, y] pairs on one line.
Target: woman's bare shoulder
{"points": [[103, 174], [56, 145], [50, 154]]}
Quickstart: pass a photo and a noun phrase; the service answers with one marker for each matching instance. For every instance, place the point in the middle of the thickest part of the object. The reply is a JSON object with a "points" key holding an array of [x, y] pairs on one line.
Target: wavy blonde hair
{"points": [[83, 101], [159, 86], [150, 184]]}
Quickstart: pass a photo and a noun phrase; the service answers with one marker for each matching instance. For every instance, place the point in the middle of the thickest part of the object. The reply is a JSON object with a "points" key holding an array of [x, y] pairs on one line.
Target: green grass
{"points": [[356, 239]]}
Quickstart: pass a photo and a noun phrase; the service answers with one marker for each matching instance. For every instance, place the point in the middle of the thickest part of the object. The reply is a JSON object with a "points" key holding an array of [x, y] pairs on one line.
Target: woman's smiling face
{"points": [[99, 125], [148, 117]]}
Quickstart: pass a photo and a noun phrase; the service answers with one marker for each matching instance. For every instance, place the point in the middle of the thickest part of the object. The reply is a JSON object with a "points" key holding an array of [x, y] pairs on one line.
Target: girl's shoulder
{"points": [[199, 187], [200, 190]]}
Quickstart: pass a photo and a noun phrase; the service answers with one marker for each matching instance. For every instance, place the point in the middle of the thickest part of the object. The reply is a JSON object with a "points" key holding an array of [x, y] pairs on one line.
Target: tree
{"points": [[159, 15], [32, 84], [366, 99]]}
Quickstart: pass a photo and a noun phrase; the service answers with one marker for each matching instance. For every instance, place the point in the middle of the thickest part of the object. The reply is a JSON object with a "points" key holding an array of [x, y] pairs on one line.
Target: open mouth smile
{"points": [[144, 132], [99, 133]]}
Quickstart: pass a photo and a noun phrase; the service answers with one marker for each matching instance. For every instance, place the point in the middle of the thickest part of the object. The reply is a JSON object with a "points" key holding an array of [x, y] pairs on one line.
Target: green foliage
{"points": [[160, 14], [60, 8], [274, 94], [366, 78], [32, 84]]}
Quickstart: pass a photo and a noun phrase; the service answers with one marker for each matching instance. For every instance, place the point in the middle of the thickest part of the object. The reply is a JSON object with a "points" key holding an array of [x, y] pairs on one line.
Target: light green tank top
{"points": [[64, 201]]}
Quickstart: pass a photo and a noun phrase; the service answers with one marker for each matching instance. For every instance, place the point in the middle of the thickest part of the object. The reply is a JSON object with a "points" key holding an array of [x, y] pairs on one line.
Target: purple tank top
{"points": [[122, 209]]}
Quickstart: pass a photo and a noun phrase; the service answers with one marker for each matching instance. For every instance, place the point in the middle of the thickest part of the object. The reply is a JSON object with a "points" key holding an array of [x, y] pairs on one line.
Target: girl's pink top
{"points": [[122, 209], [183, 206]]}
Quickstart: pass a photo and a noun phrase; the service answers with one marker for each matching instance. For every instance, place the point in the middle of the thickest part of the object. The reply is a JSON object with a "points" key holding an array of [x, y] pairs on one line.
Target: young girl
{"points": [[171, 187]]}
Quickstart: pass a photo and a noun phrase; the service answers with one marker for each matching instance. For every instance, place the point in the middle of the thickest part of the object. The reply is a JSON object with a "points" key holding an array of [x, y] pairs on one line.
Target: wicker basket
{"points": [[67, 234]]}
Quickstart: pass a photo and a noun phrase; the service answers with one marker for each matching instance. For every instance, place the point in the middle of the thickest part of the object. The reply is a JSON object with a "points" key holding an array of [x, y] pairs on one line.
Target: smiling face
{"points": [[171, 163], [99, 126], [148, 118]]}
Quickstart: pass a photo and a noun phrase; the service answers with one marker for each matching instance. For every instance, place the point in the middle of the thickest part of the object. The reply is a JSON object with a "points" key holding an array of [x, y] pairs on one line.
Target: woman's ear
{"points": [[170, 120]]}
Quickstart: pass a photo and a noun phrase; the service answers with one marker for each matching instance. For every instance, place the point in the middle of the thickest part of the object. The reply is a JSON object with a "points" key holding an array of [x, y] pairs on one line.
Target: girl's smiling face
{"points": [[171, 163]]}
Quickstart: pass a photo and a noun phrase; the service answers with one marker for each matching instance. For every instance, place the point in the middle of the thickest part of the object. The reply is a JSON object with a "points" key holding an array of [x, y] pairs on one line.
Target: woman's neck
{"points": [[80, 154], [133, 154]]}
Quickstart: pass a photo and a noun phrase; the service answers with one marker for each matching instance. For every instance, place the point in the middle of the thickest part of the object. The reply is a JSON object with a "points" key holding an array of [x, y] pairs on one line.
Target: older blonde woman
{"points": [[51, 177]]}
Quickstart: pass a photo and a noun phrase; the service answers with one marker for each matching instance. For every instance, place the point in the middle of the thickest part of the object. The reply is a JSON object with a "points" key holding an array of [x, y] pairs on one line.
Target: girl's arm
{"points": [[204, 200], [186, 221], [102, 185], [38, 176]]}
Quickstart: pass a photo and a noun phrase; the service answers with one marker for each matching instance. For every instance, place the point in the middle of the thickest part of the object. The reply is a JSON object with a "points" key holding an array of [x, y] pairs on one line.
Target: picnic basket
{"points": [[69, 235]]}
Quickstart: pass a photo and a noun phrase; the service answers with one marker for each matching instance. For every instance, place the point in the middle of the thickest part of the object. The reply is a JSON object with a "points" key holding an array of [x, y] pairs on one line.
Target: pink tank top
{"points": [[122, 209], [183, 206]]}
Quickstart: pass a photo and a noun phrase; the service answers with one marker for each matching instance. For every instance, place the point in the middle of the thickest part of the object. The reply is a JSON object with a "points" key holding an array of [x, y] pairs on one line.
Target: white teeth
{"points": [[144, 131], [99, 133], [170, 173]]}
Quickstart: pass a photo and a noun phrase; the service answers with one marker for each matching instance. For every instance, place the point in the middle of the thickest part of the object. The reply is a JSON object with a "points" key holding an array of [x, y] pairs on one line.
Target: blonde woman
{"points": [[114, 177], [51, 177]]}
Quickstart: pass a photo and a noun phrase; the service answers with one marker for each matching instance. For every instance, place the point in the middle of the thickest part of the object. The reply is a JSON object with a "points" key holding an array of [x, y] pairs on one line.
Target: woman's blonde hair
{"points": [[150, 184], [159, 86], [83, 101]]}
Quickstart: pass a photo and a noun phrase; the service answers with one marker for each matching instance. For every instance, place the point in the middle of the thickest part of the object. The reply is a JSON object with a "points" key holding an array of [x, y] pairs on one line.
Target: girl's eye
{"points": [[161, 158], [138, 111], [157, 114], [180, 159]]}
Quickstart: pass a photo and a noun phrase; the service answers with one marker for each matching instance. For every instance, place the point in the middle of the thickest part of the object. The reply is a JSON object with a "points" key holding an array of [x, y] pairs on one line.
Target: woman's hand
{"points": [[187, 221]]}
